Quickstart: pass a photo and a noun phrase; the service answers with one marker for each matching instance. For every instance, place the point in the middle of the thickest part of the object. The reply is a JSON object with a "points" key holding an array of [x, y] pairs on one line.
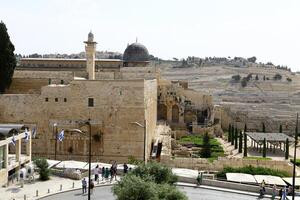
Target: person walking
{"points": [[103, 173], [96, 172], [125, 168], [84, 183], [92, 186], [283, 197], [274, 190], [199, 178], [280, 193]]}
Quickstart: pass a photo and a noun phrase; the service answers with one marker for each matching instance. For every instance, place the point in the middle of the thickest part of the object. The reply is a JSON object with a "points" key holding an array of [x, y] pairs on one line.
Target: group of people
{"points": [[282, 193], [105, 172]]}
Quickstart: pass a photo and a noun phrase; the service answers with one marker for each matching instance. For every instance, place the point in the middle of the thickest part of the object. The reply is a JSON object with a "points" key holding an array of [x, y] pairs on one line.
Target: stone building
{"points": [[118, 97]]}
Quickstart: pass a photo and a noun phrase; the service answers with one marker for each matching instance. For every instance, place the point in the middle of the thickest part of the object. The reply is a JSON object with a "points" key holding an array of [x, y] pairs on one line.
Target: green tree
{"points": [[287, 148], [206, 148], [148, 182], [245, 145], [280, 128], [263, 127], [236, 138], [43, 165], [232, 135], [241, 142], [264, 148], [7, 59], [229, 133], [156, 172]]}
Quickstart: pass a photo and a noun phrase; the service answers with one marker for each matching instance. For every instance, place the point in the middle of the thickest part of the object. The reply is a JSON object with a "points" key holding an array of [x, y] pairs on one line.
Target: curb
{"points": [[221, 189], [68, 190]]}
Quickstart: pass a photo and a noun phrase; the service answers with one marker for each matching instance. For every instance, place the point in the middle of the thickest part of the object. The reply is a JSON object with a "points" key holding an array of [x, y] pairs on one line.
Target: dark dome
{"points": [[136, 52]]}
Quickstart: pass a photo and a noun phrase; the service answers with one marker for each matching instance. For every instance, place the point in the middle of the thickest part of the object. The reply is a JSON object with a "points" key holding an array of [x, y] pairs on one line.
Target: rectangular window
{"points": [[56, 99], [65, 99], [91, 102], [46, 99]]}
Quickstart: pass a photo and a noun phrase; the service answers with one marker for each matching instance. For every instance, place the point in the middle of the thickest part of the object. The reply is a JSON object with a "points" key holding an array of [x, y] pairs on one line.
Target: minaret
{"points": [[90, 50]]}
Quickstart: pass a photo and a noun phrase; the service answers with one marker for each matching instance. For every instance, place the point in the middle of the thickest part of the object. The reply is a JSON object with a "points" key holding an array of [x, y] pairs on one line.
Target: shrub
{"points": [[252, 170], [236, 77], [289, 79], [43, 165], [277, 77], [244, 82]]}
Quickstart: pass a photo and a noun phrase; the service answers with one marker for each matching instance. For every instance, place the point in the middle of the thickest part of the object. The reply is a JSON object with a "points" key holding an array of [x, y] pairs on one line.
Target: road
{"points": [[192, 193]]}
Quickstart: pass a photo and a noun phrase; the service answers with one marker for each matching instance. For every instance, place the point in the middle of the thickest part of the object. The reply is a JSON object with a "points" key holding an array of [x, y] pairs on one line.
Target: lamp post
{"points": [[295, 154], [55, 132], [144, 127], [88, 124]]}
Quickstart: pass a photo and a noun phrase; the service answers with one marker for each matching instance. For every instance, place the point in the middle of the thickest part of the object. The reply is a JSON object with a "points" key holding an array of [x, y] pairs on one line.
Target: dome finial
{"points": [[90, 36]]}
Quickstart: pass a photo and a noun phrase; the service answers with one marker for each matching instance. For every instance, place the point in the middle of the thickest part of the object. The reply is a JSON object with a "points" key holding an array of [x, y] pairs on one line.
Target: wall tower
{"points": [[90, 51]]}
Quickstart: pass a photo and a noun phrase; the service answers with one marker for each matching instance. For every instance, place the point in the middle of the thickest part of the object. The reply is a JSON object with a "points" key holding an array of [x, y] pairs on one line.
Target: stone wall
{"points": [[218, 165]]}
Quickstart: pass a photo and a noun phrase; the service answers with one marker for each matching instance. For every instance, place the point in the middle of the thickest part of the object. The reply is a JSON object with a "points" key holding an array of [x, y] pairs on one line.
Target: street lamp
{"points": [[88, 124], [294, 163], [144, 127]]}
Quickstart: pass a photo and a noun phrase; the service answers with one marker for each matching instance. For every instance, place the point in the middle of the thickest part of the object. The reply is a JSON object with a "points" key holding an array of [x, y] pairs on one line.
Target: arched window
{"points": [[175, 114], [161, 112]]}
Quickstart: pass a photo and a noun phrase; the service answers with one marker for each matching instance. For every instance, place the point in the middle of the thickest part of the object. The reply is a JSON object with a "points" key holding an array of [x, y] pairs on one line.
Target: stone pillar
{"points": [[18, 149], [90, 50], [6, 156], [28, 146], [169, 114]]}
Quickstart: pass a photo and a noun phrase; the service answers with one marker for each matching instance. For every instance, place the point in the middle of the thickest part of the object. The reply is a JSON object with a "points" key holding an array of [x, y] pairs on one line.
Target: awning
{"points": [[270, 137]]}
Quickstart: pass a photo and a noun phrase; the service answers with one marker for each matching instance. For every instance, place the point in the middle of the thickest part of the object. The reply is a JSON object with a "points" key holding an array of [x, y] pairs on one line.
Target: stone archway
{"points": [[161, 112], [175, 114]]}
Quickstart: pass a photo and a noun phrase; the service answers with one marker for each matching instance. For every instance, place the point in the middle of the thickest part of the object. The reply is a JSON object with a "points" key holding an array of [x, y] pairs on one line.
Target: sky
{"points": [[267, 29]]}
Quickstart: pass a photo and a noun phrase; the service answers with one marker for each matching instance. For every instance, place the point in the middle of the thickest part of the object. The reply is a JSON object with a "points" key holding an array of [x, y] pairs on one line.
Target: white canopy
{"points": [[289, 180], [240, 177], [270, 180]]}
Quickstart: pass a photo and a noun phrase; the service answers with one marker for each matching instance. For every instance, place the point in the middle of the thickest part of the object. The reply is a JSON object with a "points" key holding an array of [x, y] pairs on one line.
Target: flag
{"points": [[33, 132], [13, 140], [27, 135], [61, 135]]}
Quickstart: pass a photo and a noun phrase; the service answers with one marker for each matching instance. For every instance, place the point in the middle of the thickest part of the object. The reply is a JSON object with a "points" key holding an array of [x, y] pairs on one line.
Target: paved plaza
{"points": [[192, 193]]}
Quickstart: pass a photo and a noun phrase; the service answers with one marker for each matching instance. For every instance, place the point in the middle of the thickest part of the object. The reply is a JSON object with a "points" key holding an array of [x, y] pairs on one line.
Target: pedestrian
{"points": [[84, 183], [263, 185], [274, 190], [280, 193], [96, 172], [106, 174], [199, 178], [92, 186], [103, 173], [283, 197], [125, 168]]}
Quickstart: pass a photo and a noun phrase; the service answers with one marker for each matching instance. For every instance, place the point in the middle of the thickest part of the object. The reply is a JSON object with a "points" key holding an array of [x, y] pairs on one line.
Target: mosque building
{"points": [[123, 99]]}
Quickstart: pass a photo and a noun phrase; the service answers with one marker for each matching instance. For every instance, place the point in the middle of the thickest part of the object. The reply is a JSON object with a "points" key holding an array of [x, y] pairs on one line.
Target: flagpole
{"points": [[55, 130]]}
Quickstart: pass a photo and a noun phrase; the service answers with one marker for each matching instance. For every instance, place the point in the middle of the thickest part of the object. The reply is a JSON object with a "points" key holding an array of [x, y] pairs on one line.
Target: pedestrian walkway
{"points": [[54, 185]]}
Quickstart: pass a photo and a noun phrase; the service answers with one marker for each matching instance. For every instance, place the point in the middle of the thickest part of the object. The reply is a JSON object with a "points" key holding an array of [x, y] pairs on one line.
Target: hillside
{"points": [[272, 102]]}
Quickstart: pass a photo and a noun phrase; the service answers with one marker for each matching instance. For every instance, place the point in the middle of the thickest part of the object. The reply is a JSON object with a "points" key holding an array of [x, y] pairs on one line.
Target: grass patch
{"points": [[252, 170], [257, 158], [197, 140]]}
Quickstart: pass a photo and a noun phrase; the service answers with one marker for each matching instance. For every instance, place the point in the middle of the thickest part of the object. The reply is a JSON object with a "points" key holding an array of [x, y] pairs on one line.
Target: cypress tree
{"points": [[287, 149], [280, 128], [206, 148], [229, 133], [264, 148], [7, 59], [241, 142], [232, 135], [263, 128], [245, 128], [245, 145], [236, 139]]}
